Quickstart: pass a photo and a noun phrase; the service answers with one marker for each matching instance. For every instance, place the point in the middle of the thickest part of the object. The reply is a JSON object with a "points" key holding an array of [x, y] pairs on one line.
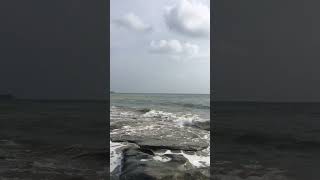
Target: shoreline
{"points": [[158, 144]]}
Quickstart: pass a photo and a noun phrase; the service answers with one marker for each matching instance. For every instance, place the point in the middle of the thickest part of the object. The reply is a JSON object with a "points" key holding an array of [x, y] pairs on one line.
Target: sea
{"points": [[269, 141], [178, 116], [52, 139], [251, 140]]}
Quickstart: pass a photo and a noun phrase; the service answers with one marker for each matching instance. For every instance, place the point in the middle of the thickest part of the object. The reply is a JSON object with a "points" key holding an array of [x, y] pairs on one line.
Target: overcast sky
{"points": [[53, 49], [266, 50], [160, 46]]}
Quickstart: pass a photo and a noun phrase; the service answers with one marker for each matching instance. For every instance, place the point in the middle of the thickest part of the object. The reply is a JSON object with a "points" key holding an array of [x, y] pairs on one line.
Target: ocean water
{"points": [[197, 104], [46, 139], [266, 140], [184, 118]]}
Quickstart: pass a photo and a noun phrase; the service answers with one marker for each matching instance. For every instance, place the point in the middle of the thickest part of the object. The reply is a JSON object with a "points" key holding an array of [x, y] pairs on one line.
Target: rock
{"points": [[202, 125], [140, 165], [163, 141], [159, 136]]}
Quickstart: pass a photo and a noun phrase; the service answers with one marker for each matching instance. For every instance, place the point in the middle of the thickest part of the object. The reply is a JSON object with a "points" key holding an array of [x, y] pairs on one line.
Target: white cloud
{"points": [[189, 17], [174, 48], [133, 22]]}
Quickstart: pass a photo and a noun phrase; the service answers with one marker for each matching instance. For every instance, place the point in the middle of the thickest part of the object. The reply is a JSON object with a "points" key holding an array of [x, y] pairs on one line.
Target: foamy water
{"points": [[194, 159], [115, 155], [161, 117], [199, 159], [181, 120]]}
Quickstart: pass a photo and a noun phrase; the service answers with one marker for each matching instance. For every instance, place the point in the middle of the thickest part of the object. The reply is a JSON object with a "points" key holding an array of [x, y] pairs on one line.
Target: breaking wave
{"points": [[188, 105], [115, 156], [180, 119]]}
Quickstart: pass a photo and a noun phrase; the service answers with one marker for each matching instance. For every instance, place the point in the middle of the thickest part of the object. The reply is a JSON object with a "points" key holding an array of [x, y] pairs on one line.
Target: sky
{"points": [[58, 49], [53, 49], [266, 50], [160, 46]]}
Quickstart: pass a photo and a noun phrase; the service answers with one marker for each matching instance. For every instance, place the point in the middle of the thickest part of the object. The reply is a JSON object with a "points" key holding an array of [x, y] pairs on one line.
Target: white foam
{"points": [[196, 160], [115, 155], [162, 158], [199, 159], [180, 120], [162, 114], [187, 119], [144, 159]]}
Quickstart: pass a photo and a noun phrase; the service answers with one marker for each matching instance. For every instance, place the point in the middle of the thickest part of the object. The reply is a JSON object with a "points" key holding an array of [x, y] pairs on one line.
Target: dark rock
{"points": [[140, 165], [173, 138], [145, 110], [202, 125]]}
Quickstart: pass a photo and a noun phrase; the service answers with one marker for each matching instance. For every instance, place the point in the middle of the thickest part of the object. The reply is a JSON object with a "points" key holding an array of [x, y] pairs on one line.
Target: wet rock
{"points": [[158, 136], [202, 125], [162, 142], [140, 165]]}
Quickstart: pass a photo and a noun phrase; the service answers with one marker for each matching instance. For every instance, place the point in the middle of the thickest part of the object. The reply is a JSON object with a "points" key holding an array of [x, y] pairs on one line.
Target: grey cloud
{"points": [[174, 47], [132, 22], [190, 18]]}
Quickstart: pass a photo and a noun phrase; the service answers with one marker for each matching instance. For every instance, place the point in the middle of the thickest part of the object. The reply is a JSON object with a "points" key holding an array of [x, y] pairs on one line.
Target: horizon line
{"points": [[116, 92], [262, 101]]}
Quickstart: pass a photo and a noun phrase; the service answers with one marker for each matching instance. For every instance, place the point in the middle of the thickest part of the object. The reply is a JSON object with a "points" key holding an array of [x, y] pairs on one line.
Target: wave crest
{"points": [[182, 120]]}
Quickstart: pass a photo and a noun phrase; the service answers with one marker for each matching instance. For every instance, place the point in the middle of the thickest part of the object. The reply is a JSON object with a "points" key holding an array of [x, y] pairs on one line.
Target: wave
{"points": [[179, 118], [182, 119], [159, 114], [197, 160], [188, 105], [144, 110], [115, 156]]}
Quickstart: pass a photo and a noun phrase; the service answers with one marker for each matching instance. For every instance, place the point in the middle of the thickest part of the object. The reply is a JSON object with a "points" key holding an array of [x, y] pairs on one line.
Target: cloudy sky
{"points": [[160, 46]]}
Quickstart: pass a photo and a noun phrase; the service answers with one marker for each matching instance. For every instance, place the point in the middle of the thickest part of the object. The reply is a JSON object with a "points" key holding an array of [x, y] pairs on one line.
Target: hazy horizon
{"points": [[122, 92]]}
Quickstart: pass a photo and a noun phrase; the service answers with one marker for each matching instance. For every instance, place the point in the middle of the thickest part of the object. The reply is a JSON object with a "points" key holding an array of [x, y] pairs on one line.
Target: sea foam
{"points": [[196, 160], [115, 155], [178, 119]]}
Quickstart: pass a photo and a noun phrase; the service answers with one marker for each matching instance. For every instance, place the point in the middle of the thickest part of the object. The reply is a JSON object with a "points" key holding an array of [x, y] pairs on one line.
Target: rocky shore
{"points": [[154, 146]]}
